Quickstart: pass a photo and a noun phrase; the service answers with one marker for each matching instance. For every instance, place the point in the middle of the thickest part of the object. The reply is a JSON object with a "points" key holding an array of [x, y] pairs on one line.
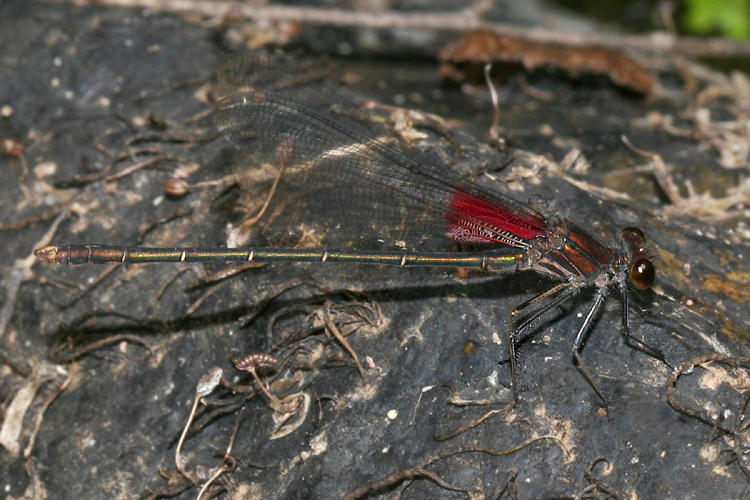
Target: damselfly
{"points": [[356, 170]]}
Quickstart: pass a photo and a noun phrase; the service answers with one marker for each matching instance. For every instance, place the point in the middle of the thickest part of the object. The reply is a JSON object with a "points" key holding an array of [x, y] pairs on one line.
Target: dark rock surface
{"points": [[95, 91]]}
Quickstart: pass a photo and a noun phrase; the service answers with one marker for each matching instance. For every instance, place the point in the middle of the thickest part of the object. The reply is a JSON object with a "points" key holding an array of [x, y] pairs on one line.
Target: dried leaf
{"points": [[484, 47]]}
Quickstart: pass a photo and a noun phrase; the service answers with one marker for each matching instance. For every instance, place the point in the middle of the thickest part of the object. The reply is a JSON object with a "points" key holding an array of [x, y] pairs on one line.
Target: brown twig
{"points": [[206, 386], [200, 300], [702, 205], [420, 471], [222, 274], [134, 168], [397, 478], [283, 152], [326, 316], [598, 485], [459, 21], [171, 281], [96, 282], [660, 171], [42, 216], [58, 357], [507, 451], [470, 425], [228, 463], [40, 415]]}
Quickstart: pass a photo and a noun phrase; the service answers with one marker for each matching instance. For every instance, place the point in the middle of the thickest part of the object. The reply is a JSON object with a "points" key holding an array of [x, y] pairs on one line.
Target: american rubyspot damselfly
{"points": [[356, 170]]}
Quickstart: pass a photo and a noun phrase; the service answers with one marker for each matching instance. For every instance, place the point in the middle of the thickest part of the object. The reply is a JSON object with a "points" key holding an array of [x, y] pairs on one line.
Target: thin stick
{"points": [[494, 132], [228, 462], [458, 21], [206, 385], [470, 425], [661, 173], [40, 417], [325, 315], [284, 152]]}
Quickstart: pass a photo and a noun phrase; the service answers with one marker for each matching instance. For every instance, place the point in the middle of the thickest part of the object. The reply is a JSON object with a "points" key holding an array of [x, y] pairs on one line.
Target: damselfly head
{"points": [[642, 270]]}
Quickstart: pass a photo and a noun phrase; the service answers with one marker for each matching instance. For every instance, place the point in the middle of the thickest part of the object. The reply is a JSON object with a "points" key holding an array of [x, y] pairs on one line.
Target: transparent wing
{"points": [[346, 170]]}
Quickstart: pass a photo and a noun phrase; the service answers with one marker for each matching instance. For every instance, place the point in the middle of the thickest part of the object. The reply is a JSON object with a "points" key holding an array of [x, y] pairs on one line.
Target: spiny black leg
{"points": [[601, 294], [640, 344], [523, 316], [512, 352]]}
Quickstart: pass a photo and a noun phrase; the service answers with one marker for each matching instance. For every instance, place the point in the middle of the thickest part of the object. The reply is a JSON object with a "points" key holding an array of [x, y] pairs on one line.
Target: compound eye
{"points": [[632, 240], [633, 234], [642, 274]]}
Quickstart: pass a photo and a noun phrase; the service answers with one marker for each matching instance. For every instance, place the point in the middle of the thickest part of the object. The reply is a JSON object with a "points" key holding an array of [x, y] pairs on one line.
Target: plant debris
{"points": [[485, 47]]}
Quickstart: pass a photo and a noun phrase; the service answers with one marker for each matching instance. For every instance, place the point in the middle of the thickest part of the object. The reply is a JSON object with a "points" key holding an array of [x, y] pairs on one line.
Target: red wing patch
{"points": [[472, 220]]}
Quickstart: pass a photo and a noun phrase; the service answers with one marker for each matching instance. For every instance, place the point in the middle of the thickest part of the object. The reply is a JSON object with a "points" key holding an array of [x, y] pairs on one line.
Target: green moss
{"points": [[730, 17]]}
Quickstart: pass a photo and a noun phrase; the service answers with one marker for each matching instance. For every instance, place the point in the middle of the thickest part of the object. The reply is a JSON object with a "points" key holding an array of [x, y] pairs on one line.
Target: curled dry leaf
{"points": [[286, 423], [484, 47]]}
